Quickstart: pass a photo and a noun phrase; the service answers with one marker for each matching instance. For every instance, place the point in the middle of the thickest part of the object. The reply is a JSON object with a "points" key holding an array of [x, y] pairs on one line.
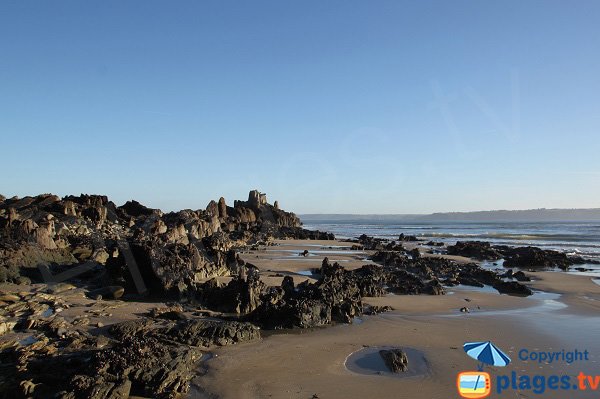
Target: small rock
{"points": [[395, 359]]}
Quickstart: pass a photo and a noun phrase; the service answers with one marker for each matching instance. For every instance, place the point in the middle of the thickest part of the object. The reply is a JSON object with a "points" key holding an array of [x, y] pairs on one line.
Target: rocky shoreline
{"points": [[116, 256]]}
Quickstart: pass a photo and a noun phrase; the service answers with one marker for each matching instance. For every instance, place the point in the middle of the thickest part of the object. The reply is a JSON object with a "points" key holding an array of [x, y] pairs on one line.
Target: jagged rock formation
{"points": [[173, 251], [474, 249], [520, 257]]}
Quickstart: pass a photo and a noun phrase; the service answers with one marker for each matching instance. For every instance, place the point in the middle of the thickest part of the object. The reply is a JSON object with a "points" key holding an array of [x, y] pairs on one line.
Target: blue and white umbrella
{"points": [[486, 353]]}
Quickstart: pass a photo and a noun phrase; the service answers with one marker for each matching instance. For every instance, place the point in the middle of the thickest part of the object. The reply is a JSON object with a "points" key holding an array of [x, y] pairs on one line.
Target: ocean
{"points": [[573, 238]]}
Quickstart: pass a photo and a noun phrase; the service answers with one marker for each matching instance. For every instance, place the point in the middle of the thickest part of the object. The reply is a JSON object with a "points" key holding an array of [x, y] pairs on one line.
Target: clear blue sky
{"points": [[328, 106]]}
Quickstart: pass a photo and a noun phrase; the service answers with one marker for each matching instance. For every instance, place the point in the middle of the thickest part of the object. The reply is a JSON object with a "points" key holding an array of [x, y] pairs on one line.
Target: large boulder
{"points": [[395, 359], [474, 249]]}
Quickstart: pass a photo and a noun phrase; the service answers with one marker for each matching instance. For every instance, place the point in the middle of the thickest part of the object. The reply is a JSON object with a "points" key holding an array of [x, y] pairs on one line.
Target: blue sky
{"points": [[333, 107]]}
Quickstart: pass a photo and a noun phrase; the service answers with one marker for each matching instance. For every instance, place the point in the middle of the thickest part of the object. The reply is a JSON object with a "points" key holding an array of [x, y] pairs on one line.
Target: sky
{"points": [[329, 107]]}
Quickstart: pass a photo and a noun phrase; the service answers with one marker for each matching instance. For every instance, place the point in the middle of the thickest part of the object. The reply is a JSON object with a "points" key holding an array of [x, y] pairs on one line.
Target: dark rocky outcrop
{"points": [[335, 297], [474, 249], [240, 295], [403, 237], [409, 275], [512, 288], [173, 250], [535, 258]]}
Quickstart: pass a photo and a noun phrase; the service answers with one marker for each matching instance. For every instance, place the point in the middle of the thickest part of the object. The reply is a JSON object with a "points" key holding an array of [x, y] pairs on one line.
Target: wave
{"points": [[516, 236]]}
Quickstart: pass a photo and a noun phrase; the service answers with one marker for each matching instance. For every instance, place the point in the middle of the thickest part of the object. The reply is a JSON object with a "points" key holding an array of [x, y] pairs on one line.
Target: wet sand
{"points": [[300, 364]]}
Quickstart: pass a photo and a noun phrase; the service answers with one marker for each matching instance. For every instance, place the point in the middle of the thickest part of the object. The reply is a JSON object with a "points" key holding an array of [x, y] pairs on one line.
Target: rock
{"points": [[239, 296], [6, 326], [135, 209], [165, 310], [395, 359], [44, 234], [128, 329], [520, 276], [222, 208], [434, 287], [110, 292], [100, 256], [403, 237], [512, 288], [474, 249], [415, 253], [536, 258], [212, 209], [211, 332], [256, 199], [435, 244], [59, 288]]}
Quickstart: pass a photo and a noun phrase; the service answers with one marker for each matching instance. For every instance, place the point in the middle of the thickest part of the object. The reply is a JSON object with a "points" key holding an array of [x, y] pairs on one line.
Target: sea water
{"points": [[572, 238]]}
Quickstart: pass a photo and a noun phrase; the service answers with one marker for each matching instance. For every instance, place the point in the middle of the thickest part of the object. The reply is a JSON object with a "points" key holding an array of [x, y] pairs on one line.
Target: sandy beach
{"points": [[307, 364], [311, 363]]}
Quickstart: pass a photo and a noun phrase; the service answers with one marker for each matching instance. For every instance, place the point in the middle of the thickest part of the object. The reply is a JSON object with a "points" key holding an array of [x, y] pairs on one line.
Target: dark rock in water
{"points": [[371, 243], [507, 274], [474, 249], [512, 288], [435, 244], [403, 237], [533, 257], [470, 282], [520, 276], [303, 234], [395, 359]]}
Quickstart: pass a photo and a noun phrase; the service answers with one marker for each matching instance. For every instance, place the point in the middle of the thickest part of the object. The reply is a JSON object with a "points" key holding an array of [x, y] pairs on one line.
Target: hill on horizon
{"points": [[527, 215]]}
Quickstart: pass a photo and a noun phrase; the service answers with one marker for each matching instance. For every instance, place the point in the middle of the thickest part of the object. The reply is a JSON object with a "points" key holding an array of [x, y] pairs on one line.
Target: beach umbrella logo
{"points": [[477, 384], [486, 353], [474, 384]]}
